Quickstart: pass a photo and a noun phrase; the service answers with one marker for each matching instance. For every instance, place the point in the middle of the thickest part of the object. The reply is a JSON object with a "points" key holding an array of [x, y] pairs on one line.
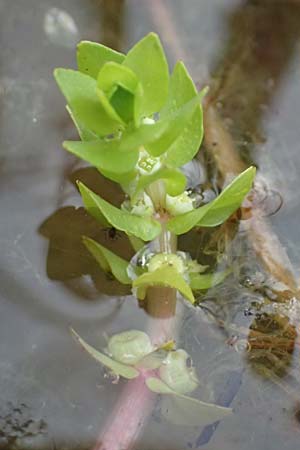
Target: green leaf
{"points": [[108, 261], [116, 367], [91, 57], [84, 133], [217, 211], [145, 134], [123, 103], [104, 155], [119, 91], [164, 276], [160, 134], [80, 92], [174, 180], [141, 227], [207, 280], [182, 90], [91, 205], [137, 244], [176, 122], [153, 360], [182, 410], [113, 74], [121, 178], [108, 107], [158, 386], [148, 62]]}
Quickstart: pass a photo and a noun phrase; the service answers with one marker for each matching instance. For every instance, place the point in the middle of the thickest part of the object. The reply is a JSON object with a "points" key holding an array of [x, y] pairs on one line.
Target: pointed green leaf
{"points": [[137, 244], [182, 410], [105, 155], [143, 135], [113, 74], [158, 386], [153, 360], [176, 122], [148, 62], [160, 134], [121, 178], [91, 57], [174, 180], [164, 276], [90, 204], [123, 103], [141, 227], [108, 107], [108, 261], [182, 90], [217, 211], [117, 89], [84, 133], [116, 367], [80, 92], [206, 281]]}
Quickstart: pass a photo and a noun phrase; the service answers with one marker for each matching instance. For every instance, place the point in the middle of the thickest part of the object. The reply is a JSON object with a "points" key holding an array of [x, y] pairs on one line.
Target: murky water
{"points": [[243, 338]]}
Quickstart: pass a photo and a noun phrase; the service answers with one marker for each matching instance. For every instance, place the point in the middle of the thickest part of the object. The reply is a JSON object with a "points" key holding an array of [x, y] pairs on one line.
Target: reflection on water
{"points": [[243, 336]]}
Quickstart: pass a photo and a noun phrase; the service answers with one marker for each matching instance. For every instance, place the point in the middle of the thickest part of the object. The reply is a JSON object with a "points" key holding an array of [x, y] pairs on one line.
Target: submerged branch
{"points": [[265, 242]]}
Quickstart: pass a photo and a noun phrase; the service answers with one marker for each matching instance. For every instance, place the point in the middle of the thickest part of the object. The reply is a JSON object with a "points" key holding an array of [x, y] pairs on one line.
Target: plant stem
{"points": [[136, 402], [126, 422]]}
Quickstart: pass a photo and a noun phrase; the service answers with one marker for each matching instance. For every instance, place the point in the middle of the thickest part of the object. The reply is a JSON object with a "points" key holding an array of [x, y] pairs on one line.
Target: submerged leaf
{"points": [[129, 347], [117, 367], [207, 280], [187, 411], [154, 359], [148, 61], [217, 211], [182, 410], [179, 373], [80, 92], [91, 57], [158, 386], [164, 276], [144, 228], [108, 261]]}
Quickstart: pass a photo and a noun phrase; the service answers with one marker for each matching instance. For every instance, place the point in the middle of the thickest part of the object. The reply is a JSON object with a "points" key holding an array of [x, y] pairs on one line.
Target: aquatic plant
{"points": [[139, 126]]}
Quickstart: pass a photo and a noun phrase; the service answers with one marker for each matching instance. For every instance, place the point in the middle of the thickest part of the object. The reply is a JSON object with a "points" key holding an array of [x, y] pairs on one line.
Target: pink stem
{"points": [[136, 401], [125, 423]]}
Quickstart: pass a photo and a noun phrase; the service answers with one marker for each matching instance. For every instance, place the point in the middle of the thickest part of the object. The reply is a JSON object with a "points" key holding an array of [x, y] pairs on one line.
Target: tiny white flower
{"points": [[180, 204], [165, 259], [148, 121], [143, 206], [147, 164]]}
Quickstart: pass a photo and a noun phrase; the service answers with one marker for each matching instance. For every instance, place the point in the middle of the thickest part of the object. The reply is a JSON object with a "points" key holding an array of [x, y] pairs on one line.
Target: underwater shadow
{"points": [[68, 260]]}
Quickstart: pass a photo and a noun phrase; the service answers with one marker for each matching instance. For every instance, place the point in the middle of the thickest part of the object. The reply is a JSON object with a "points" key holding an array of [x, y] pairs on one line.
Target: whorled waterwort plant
{"points": [[139, 125]]}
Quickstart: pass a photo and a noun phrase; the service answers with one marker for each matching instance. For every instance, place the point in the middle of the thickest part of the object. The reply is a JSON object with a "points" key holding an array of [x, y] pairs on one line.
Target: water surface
{"points": [[52, 395]]}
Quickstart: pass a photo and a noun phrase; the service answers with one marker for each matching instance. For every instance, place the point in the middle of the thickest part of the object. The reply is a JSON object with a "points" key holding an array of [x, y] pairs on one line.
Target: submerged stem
{"points": [[136, 401]]}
